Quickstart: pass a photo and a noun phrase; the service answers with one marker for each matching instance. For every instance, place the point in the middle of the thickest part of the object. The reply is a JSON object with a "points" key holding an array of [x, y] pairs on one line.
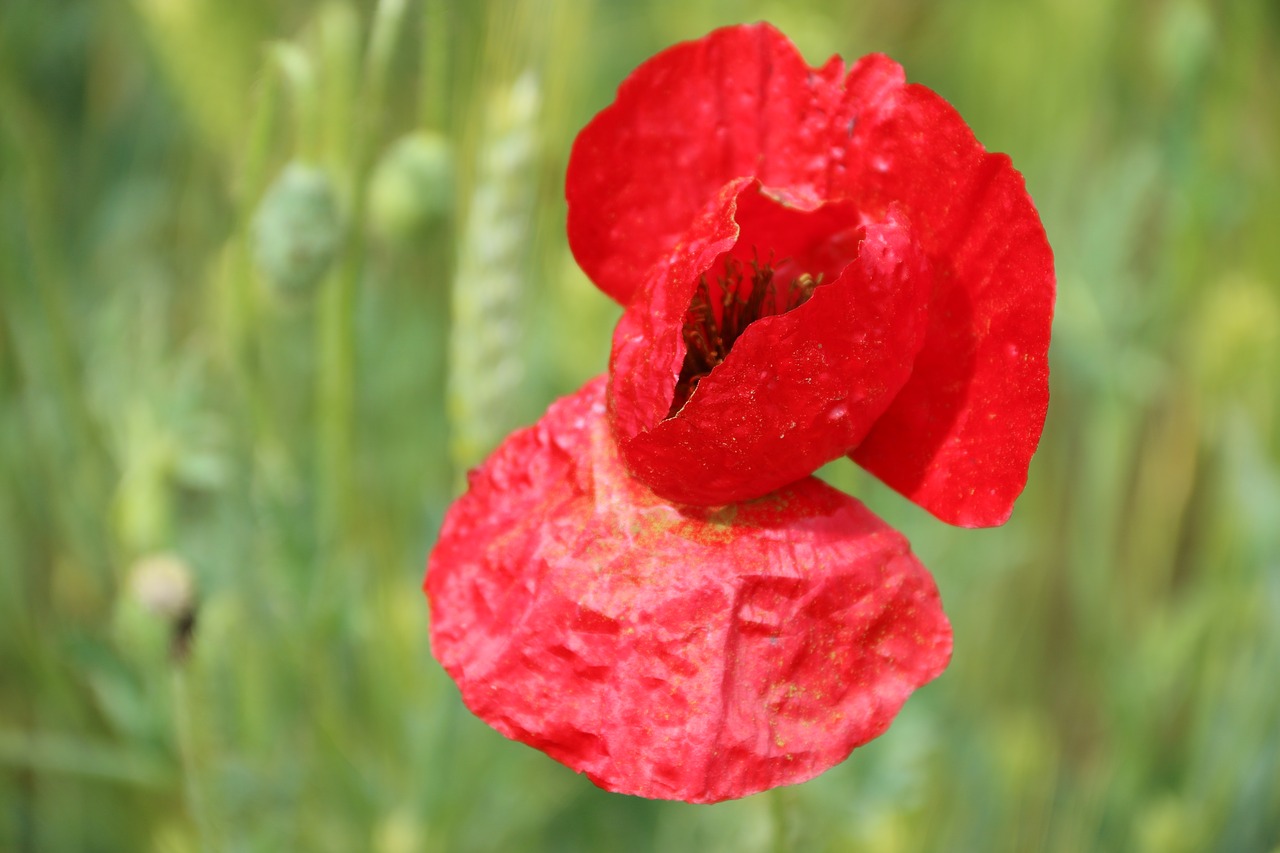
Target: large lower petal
{"points": [[683, 654]]}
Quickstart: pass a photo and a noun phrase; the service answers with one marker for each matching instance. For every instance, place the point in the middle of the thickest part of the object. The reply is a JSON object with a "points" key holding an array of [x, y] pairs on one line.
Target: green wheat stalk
{"points": [[485, 369]]}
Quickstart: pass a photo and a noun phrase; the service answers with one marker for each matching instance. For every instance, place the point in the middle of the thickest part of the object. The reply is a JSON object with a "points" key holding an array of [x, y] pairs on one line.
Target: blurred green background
{"points": [[272, 274]]}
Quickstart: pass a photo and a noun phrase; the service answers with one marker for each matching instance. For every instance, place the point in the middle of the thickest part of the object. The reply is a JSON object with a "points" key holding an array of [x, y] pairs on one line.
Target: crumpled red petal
{"points": [[697, 655], [742, 102], [798, 389]]}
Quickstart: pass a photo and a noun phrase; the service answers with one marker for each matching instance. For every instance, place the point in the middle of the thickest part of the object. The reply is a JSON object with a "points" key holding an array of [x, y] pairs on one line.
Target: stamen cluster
{"points": [[721, 310]]}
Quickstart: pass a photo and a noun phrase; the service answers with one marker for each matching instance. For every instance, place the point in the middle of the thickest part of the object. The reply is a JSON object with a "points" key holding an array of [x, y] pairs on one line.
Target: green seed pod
{"points": [[412, 187], [296, 230]]}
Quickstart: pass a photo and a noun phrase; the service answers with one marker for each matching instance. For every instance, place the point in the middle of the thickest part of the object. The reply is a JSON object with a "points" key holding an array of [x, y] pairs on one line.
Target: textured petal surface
{"points": [[683, 654], [742, 102], [798, 389]]}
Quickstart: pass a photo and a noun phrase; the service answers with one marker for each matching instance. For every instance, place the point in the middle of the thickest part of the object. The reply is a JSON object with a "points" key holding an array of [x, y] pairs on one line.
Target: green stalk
{"points": [[194, 793], [336, 332], [435, 65], [485, 365], [42, 333]]}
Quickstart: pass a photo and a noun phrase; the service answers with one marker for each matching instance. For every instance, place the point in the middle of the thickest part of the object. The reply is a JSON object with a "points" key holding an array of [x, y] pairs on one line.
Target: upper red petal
{"points": [[740, 102], [684, 654]]}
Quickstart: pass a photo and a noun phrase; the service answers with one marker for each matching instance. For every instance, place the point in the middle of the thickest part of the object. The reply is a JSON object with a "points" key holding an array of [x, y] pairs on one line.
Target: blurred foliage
{"points": [[198, 369]]}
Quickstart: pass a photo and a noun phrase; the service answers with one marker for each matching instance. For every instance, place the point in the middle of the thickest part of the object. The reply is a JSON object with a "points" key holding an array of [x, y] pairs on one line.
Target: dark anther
{"points": [[722, 308]]}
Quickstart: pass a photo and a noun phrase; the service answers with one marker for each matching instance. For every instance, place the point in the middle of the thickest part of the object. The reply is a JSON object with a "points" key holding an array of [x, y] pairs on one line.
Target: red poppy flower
{"points": [[668, 651], [814, 262]]}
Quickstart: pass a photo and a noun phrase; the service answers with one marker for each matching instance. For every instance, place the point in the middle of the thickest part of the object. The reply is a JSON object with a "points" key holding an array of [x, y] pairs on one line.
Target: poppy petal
{"points": [[797, 389], [670, 652], [740, 102], [959, 437]]}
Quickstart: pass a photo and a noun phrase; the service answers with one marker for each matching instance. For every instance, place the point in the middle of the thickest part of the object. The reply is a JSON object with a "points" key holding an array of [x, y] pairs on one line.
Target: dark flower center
{"points": [[723, 307]]}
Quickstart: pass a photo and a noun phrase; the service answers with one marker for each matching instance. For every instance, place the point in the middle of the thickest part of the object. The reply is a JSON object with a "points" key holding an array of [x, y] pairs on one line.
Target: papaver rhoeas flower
{"points": [[666, 651], [814, 262]]}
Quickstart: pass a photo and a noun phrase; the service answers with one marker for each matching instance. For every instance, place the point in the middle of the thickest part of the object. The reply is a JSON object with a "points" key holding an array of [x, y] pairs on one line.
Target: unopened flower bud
{"points": [[296, 230], [412, 186]]}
